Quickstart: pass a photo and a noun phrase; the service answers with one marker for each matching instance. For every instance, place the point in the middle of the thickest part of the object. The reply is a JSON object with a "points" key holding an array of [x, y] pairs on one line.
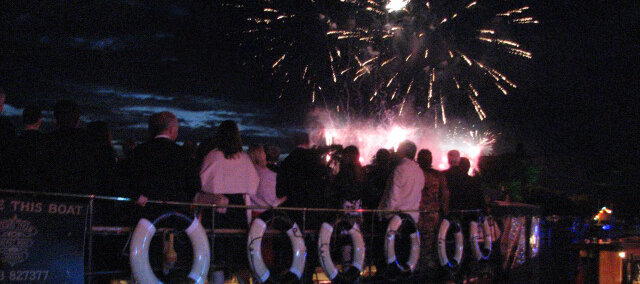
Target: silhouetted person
{"points": [[100, 138], [464, 165], [302, 178], [453, 158], [68, 156], [453, 175], [377, 175], [26, 158], [485, 167], [435, 193], [348, 190], [160, 169], [465, 191], [128, 145], [109, 176], [349, 183], [435, 200], [105, 158]]}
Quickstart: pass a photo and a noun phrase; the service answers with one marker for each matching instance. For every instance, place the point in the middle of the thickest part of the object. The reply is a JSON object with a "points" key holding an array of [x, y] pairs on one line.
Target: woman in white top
{"points": [[229, 171], [266, 194], [226, 169]]}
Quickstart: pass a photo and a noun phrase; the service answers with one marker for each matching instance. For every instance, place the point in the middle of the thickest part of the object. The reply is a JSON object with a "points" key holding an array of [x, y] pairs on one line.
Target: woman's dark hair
{"points": [[382, 157], [228, 138], [351, 161], [350, 155]]}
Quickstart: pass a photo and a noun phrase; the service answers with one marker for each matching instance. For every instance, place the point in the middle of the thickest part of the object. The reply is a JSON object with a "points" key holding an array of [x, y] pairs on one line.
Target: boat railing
{"points": [[369, 217]]}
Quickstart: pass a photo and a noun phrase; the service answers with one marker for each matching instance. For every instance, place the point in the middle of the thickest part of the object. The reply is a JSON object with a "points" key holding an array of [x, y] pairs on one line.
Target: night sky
{"points": [[576, 105]]}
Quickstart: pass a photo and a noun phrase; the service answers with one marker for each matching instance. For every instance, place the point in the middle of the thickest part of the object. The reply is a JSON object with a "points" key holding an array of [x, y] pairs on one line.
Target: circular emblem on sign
{"points": [[16, 238]]}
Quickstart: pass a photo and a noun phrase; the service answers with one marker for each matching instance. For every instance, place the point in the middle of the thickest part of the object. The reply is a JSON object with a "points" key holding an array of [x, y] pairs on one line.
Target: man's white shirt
{"points": [[404, 188]]}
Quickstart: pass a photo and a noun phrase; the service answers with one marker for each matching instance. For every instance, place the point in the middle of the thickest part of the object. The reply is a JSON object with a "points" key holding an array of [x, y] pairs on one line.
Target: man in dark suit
{"points": [[465, 191], [303, 179], [27, 160], [160, 169], [471, 197]]}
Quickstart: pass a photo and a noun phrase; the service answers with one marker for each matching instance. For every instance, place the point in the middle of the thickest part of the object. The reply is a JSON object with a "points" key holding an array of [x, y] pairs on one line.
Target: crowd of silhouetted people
{"points": [[79, 160]]}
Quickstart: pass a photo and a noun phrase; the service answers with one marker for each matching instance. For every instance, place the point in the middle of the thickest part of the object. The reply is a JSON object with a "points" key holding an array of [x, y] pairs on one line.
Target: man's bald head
{"points": [[453, 157], [407, 149]]}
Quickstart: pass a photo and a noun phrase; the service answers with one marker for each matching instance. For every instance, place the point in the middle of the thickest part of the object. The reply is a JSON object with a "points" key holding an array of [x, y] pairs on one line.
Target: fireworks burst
{"points": [[369, 56], [370, 137]]}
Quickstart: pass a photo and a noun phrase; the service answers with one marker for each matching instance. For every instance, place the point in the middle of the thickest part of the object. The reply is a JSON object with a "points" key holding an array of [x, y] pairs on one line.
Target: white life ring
{"points": [[485, 252], [324, 253], [139, 252], [390, 246], [254, 249], [534, 237], [442, 244]]}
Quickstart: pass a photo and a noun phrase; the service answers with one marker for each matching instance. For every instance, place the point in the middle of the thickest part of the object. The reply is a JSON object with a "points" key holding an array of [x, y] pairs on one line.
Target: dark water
{"points": [[123, 60], [123, 88], [127, 110]]}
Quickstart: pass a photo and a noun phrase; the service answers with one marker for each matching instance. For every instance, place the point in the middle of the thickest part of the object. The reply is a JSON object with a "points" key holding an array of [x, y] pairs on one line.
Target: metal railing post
{"points": [[304, 220], [90, 251], [213, 234], [371, 243]]}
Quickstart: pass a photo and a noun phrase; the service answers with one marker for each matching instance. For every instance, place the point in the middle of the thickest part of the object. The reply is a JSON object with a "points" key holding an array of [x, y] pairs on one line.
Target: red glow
{"points": [[369, 138]]}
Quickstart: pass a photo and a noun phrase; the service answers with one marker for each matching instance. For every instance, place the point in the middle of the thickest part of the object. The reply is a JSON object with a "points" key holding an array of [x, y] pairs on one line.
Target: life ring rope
{"points": [[474, 236], [324, 251], [139, 252], [445, 225], [390, 253], [254, 248]]}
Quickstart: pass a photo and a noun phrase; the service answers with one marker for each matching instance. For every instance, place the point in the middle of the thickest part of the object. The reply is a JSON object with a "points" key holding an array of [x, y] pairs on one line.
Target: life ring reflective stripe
{"points": [[139, 252], [390, 246], [442, 244], [534, 237], [324, 251], [474, 236], [254, 250]]}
